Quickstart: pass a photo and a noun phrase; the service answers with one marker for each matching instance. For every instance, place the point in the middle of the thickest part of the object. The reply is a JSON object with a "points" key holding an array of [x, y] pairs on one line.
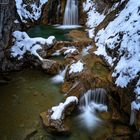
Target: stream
{"points": [[28, 94], [31, 92]]}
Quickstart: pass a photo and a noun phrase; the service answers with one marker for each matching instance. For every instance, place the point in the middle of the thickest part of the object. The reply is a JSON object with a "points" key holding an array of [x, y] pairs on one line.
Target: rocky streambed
{"points": [[69, 68]]}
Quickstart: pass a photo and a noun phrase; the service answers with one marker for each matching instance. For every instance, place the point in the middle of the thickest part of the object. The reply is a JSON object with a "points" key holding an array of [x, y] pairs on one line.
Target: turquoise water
{"points": [[47, 30]]}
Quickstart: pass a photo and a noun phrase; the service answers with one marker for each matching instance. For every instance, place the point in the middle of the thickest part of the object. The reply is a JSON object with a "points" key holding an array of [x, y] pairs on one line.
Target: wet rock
{"points": [[77, 35], [54, 122], [77, 89], [50, 66], [54, 126]]}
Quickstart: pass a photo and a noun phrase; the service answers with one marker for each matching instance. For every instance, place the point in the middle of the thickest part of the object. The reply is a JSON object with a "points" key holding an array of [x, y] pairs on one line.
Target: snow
{"points": [[16, 21], [60, 77], [137, 89], [58, 110], [94, 18], [35, 12], [122, 38], [76, 67], [66, 51], [122, 32], [85, 50], [70, 50], [23, 43], [135, 106]]}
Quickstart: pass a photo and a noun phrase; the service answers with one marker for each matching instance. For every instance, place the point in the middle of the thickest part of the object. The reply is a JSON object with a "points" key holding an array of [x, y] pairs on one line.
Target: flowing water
{"points": [[91, 102], [71, 13], [28, 94], [31, 92]]}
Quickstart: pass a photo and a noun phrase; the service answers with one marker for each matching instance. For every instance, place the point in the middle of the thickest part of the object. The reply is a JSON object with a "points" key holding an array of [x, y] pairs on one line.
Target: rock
{"points": [[7, 26], [56, 127], [54, 119], [77, 35], [77, 89], [136, 136], [137, 120], [50, 66]]}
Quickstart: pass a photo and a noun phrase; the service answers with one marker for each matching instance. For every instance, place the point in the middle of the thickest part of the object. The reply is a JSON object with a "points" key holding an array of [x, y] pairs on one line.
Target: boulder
{"points": [[54, 126], [54, 119], [50, 66]]}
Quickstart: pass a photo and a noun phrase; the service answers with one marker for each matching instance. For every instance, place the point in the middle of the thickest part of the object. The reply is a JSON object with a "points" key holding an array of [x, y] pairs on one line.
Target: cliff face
{"points": [[8, 24], [114, 28]]}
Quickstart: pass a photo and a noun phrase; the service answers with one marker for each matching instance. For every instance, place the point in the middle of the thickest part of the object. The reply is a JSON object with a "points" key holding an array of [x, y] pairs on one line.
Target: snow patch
{"points": [[76, 67], [58, 110], [35, 12], [66, 51], [94, 18]]}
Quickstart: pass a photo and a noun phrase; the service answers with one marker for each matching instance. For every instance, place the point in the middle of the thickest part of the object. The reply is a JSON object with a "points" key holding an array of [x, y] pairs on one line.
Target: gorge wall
{"points": [[8, 24]]}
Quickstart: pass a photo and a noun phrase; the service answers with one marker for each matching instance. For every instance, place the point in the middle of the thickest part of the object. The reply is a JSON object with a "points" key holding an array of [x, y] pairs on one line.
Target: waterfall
{"points": [[91, 102], [71, 13]]}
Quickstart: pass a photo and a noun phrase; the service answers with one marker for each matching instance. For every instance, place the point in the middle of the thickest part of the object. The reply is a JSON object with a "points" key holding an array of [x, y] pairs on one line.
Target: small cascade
{"points": [[71, 13], [91, 102]]}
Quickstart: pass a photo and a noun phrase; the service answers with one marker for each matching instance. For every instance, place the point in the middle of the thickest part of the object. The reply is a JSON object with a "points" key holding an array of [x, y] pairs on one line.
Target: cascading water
{"points": [[91, 102], [71, 13]]}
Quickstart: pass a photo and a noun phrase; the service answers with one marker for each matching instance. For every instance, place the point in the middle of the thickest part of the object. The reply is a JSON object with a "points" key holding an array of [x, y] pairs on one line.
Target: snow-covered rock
{"points": [[25, 14], [59, 110], [123, 36], [76, 67], [23, 43], [94, 16], [119, 43]]}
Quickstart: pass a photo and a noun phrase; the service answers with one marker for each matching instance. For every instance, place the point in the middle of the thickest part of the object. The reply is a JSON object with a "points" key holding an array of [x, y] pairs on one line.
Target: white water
{"points": [[68, 26], [71, 13], [90, 103], [59, 78]]}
